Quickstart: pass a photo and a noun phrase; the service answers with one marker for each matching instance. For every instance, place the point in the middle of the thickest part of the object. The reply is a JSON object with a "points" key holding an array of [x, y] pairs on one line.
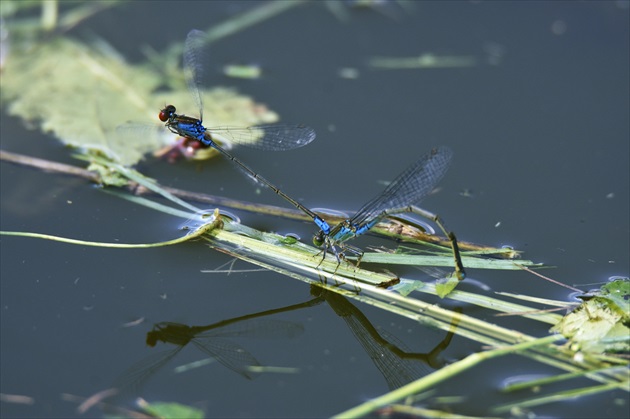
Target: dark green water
{"points": [[541, 140]]}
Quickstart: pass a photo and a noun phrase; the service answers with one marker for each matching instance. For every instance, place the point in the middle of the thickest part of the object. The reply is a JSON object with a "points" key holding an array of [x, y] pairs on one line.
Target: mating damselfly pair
{"points": [[402, 195]]}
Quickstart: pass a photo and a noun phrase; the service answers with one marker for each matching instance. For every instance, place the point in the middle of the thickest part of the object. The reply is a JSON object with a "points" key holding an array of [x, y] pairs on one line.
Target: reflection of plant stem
{"points": [[133, 187]]}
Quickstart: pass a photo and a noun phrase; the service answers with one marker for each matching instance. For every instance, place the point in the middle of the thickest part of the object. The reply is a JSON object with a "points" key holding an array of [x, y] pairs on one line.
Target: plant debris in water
{"points": [[601, 323]]}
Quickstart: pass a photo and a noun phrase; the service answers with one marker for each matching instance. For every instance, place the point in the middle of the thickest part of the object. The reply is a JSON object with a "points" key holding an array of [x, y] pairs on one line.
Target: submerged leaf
{"points": [[171, 410]]}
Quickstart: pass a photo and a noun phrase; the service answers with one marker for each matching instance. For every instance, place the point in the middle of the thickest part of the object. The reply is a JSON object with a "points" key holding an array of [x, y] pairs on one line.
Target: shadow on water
{"points": [[397, 364]]}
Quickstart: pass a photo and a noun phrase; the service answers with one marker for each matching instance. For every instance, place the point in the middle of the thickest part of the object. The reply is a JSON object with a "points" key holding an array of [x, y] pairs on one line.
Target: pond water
{"points": [[540, 131]]}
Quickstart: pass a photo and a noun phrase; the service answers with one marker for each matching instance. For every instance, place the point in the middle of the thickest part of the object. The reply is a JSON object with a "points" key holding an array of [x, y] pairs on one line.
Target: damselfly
{"points": [[400, 196], [277, 137], [408, 189]]}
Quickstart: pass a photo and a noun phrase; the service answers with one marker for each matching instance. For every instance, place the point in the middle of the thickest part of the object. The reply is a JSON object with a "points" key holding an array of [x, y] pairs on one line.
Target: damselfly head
{"points": [[152, 338], [166, 113], [318, 238]]}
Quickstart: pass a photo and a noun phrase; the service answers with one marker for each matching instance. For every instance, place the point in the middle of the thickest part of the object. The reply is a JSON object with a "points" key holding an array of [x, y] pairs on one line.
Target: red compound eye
{"points": [[166, 113]]}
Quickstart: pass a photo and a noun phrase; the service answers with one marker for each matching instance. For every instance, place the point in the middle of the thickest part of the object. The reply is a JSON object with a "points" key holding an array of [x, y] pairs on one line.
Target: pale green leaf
{"points": [[81, 95]]}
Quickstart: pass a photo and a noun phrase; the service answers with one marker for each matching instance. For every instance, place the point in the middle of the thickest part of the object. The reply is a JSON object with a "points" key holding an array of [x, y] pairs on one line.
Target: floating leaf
{"points": [[406, 286], [81, 95], [600, 324], [617, 293], [444, 286]]}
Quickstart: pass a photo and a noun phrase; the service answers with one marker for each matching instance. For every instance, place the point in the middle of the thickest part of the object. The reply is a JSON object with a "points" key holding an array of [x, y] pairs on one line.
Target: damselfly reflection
{"points": [[214, 340], [397, 364]]}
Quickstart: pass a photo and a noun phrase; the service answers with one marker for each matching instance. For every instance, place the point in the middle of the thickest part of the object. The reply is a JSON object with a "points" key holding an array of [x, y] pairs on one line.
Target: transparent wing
{"points": [[410, 187], [193, 65], [130, 382], [277, 137], [229, 354], [256, 328], [396, 370]]}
